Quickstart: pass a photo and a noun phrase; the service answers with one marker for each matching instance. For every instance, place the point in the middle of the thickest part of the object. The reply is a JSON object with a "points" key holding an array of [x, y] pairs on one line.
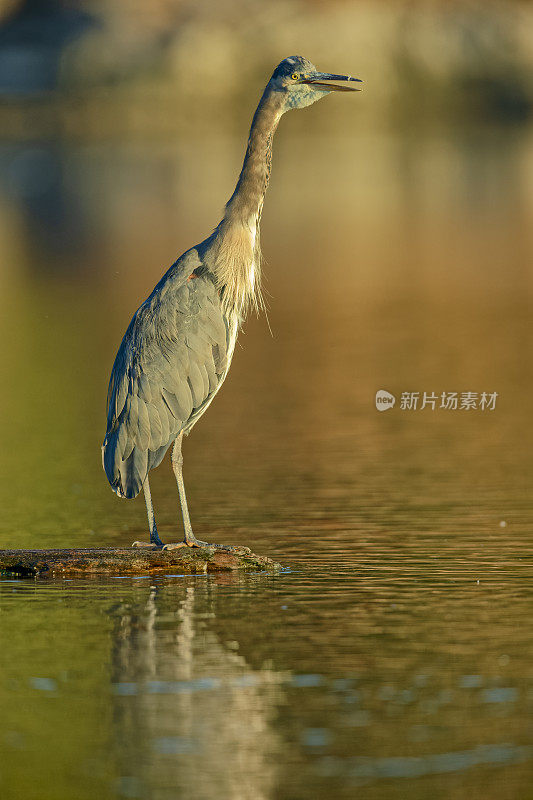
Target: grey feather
{"points": [[133, 473], [143, 432], [155, 457], [174, 407], [196, 383], [156, 428], [164, 373], [145, 390]]}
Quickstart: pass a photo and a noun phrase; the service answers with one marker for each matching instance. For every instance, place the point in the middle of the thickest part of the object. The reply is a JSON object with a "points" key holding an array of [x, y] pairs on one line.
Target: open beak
{"points": [[332, 83]]}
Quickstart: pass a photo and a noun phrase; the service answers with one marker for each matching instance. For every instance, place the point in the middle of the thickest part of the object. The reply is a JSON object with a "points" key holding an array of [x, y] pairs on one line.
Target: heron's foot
{"points": [[155, 542], [174, 545], [148, 545], [196, 543]]}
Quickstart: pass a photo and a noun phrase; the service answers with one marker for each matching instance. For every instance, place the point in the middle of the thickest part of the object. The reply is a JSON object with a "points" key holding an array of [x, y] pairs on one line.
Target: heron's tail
{"points": [[127, 475]]}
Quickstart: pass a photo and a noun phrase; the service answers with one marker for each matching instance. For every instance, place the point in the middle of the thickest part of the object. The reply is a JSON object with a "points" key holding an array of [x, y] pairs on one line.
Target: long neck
{"points": [[237, 254], [246, 202]]}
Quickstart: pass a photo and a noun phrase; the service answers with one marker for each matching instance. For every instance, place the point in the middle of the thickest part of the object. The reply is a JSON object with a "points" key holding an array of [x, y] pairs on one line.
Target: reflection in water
{"points": [[364, 770], [293, 685], [394, 660], [190, 715]]}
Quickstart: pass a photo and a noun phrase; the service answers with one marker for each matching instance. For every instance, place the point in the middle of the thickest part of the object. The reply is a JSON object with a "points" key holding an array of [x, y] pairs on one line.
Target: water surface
{"points": [[392, 656]]}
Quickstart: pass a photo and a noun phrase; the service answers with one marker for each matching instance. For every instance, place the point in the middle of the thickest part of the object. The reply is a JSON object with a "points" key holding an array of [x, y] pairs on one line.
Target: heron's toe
{"points": [[198, 543], [174, 546], [150, 545]]}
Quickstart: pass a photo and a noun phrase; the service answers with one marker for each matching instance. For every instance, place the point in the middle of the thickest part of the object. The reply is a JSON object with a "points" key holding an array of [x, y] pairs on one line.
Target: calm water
{"points": [[392, 657]]}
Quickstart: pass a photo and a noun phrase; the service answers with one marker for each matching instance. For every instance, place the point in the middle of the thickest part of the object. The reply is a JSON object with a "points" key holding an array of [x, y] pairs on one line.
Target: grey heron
{"points": [[179, 344]]}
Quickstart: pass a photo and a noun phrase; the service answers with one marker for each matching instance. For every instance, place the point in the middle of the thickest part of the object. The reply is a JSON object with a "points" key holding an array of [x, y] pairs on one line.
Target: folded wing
{"points": [[169, 365]]}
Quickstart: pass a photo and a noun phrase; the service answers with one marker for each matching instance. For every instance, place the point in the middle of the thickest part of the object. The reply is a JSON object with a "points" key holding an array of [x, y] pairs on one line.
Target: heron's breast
{"points": [[235, 264]]}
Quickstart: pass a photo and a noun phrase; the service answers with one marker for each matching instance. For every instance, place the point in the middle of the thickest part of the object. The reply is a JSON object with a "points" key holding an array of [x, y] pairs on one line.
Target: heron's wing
{"points": [[171, 361]]}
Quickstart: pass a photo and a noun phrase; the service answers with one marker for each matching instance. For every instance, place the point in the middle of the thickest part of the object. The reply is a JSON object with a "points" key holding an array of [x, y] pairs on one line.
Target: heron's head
{"points": [[302, 84]]}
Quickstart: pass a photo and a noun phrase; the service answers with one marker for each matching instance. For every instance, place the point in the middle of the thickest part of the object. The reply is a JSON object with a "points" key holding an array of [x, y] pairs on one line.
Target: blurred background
{"points": [[396, 231], [398, 242]]}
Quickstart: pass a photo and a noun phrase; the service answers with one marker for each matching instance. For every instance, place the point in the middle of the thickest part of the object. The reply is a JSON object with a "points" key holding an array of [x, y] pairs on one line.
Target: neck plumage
{"points": [[237, 254]]}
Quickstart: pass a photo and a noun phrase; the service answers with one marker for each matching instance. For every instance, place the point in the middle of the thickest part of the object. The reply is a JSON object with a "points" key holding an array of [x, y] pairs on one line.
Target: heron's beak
{"points": [[332, 83]]}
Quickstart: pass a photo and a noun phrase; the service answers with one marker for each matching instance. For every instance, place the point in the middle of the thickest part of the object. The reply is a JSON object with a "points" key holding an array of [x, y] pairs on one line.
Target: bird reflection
{"points": [[192, 716]]}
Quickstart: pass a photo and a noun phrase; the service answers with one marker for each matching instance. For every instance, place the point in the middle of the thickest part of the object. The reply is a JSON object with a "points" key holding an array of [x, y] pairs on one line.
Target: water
{"points": [[391, 658]]}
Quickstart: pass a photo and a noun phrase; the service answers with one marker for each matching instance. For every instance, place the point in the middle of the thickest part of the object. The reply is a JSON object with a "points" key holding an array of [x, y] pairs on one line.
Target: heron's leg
{"points": [[154, 536], [177, 465], [189, 539]]}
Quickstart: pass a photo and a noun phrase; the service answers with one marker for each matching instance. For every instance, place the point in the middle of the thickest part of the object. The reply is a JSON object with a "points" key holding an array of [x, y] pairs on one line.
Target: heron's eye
{"points": [[295, 76]]}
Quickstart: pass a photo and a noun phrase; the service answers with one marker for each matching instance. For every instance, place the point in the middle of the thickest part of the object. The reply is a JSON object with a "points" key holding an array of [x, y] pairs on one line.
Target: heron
{"points": [[178, 347]]}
